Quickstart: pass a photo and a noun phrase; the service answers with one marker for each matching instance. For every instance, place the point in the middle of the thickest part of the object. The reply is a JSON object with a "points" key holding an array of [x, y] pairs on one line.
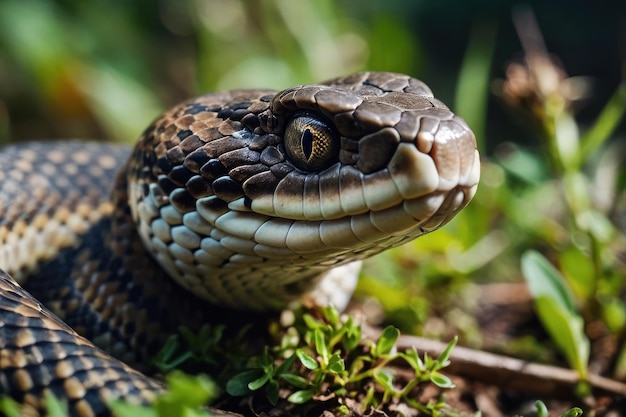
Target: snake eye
{"points": [[311, 144]]}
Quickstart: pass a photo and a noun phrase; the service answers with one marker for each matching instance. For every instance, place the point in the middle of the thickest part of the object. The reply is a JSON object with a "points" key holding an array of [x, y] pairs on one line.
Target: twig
{"points": [[508, 372]]}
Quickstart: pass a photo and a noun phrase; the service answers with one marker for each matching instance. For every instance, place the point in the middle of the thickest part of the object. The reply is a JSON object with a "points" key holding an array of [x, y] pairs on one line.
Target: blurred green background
{"points": [[103, 69]]}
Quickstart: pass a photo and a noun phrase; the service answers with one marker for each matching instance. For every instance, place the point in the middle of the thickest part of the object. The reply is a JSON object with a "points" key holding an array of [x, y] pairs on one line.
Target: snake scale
{"points": [[247, 199]]}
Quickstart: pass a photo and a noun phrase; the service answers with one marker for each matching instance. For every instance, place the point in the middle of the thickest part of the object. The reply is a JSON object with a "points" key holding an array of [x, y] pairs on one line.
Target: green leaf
{"points": [[384, 377], [166, 359], [296, 380], [597, 223], [190, 336], [412, 358], [123, 409], [524, 165], [238, 385], [429, 363], [353, 335], [606, 123], [284, 367], [331, 315], [542, 410], [544, 280], [300, 397], [441, 380], [567, 331], [272, 392], [344, 411], [357, 365], [614, 313], [556, 310], [185, 396], [472, 91], [9, 407], [259, 382], [387, 341], [311, 322], [193, 391], [579, 270], [443, 360], [573, 412], [320, 345], [55, 407], [267, 360], [336, 364], [307, 361]]}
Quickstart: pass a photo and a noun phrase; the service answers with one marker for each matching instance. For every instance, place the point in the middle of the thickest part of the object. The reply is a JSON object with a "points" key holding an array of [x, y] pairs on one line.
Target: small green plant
{"points": [[186, 396], [325, 357], [209, 350], [202, 347]]}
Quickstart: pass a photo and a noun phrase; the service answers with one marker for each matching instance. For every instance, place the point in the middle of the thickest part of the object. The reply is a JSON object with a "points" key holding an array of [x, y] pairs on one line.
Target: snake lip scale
{"points": [[233, 201]]}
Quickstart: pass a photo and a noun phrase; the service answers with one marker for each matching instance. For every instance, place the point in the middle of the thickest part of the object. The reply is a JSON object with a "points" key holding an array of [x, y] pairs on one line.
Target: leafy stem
{"points": [[330, 359]]}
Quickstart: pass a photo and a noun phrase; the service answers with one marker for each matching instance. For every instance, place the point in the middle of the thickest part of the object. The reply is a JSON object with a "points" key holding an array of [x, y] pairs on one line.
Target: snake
{"points": [[235, 202]]}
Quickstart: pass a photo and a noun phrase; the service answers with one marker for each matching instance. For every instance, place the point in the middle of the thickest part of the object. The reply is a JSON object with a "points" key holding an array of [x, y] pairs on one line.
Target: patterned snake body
{"points": [[248, 199]]}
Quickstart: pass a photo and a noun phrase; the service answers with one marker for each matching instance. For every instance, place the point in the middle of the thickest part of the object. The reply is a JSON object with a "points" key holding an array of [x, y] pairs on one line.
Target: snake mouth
{"points": [[365, 233]]}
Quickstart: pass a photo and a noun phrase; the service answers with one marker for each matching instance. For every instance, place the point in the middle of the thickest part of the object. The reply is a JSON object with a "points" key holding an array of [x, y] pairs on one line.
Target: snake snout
{"points": [[436, 174], [454, 151], [441, 157]]}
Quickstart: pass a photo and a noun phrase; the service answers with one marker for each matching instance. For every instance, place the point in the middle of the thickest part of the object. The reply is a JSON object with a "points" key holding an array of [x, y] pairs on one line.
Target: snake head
{"points": [[257, 192], [390, 141]]}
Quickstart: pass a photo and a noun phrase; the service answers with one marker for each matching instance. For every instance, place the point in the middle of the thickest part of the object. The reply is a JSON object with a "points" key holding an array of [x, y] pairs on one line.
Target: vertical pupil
{"points": [[307, 143]]}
